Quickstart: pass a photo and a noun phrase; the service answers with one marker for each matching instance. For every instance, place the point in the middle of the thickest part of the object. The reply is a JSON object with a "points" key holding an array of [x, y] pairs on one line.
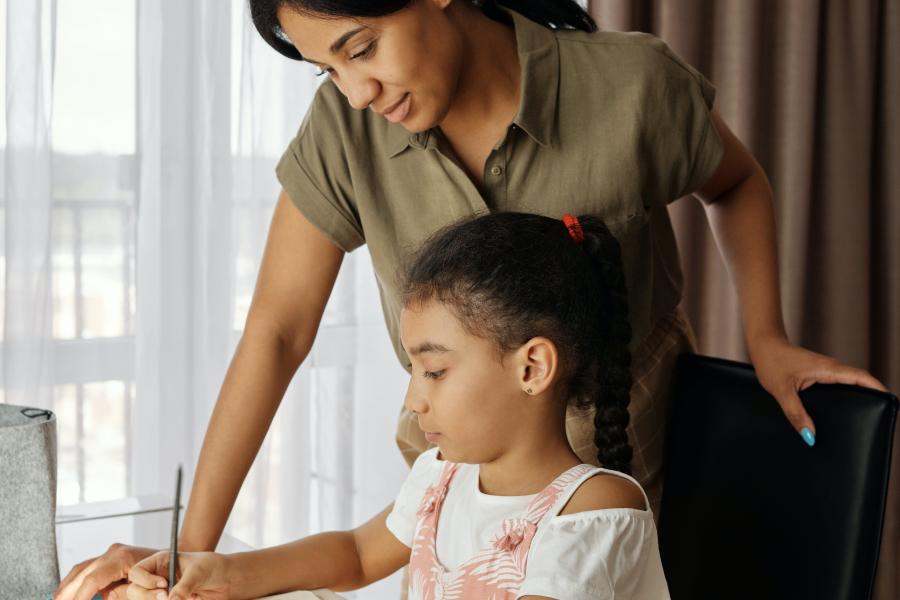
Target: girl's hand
{"points": [[201, 576], [784, 369]]}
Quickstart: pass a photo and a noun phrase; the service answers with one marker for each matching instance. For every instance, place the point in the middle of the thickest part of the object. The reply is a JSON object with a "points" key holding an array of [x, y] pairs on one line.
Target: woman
{"points": [[437, 109]]}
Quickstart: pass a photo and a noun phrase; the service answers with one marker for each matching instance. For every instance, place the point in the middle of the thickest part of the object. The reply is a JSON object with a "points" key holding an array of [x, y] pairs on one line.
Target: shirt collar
{"points": [[539, 59], [539, 62]]}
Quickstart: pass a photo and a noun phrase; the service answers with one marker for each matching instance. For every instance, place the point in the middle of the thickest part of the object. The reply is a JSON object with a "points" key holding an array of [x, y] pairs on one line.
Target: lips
{"points": [[399, 110]]}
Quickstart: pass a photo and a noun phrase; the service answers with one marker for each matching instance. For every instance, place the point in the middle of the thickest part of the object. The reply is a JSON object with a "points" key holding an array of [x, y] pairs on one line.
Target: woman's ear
{"points": [[537, 365]]}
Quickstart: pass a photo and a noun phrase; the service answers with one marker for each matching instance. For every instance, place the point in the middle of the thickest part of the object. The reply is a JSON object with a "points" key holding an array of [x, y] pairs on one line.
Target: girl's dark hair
{"points": [[555, 14], [509, 277]]}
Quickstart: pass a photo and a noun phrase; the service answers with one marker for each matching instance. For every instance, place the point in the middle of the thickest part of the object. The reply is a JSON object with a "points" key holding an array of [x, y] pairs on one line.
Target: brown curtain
{"points": [[812, 88]]}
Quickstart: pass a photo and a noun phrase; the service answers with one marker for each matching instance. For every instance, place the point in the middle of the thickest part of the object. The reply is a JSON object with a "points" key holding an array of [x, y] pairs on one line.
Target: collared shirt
{"points": [[609, 124]]}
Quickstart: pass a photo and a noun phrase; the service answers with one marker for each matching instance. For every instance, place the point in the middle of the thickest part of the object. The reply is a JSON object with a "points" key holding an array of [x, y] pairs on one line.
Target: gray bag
{"points": [[28, 562]]}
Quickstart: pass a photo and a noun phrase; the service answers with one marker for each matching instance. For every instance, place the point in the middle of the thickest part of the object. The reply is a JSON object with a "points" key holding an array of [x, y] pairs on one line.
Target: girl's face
{"points": [[466, 401], [404, 66]]}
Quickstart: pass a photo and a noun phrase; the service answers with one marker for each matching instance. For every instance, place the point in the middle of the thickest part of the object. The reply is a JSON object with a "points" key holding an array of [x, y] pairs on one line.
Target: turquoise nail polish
{"points": [[808, 437]]}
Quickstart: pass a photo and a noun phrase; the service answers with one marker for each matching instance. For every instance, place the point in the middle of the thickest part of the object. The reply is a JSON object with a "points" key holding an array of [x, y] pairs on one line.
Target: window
{"points": [[93, 164]]}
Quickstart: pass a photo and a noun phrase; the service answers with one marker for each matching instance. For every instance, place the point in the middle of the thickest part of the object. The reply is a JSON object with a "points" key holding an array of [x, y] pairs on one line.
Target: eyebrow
{"points": [[338, 44], [428, 347], [342, 41]]}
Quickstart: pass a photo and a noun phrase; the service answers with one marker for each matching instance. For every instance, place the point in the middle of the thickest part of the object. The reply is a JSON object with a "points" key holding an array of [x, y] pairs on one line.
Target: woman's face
{"points": [[404, 66], [466, 400]]}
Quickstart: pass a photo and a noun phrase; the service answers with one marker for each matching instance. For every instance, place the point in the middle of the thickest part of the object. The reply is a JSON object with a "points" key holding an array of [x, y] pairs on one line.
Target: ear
{"points": [[537, 365]]}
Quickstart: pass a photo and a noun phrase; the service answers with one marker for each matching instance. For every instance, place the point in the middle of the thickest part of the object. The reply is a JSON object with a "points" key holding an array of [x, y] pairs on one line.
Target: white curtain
{"points": [[135, 214], [27, 204]]}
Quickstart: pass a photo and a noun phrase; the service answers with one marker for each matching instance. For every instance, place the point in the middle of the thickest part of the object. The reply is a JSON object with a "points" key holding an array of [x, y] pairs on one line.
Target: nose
{"points": [[360, 90], [415, 401]]}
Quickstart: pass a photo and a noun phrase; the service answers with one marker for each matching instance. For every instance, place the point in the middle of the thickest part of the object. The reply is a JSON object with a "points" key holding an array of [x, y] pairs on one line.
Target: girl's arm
{"points": [[738, 203], [337, 560]]}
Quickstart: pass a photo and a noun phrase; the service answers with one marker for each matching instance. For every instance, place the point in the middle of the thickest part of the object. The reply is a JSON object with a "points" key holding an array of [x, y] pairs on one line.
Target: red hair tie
{"points": [[574, 228]]}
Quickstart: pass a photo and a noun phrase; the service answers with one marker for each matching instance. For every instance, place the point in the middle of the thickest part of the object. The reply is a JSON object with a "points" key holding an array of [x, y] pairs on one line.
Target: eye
{"points": [[362, 54], [433, 374], [365, 52]]}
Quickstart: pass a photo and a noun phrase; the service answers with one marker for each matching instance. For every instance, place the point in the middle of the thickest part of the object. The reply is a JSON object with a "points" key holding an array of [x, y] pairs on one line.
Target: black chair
{"points": [[750, 511]]}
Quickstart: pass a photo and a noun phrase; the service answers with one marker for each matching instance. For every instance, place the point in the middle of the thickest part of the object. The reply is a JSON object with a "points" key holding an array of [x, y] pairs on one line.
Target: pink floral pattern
{"points": [[514, 532], [495, 572], [434, 495]]}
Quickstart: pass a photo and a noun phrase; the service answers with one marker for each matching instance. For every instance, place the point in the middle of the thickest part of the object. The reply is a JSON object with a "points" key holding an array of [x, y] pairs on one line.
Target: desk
{"points": [[85, 530]]}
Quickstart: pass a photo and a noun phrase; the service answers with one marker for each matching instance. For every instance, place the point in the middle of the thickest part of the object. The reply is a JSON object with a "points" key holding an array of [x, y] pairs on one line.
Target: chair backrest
{"points": [[750, 511]]}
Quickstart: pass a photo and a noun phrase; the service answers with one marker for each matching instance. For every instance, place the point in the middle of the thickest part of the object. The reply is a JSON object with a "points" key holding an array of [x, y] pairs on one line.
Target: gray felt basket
{"points": [[28, 563]]}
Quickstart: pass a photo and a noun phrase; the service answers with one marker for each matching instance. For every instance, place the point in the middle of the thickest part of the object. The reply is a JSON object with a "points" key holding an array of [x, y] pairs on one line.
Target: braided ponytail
{"points": [[612, 392]]}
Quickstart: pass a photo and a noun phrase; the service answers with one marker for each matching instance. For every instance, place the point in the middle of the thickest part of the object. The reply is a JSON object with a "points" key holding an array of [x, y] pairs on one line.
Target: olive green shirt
{"points": [[609, 124]]}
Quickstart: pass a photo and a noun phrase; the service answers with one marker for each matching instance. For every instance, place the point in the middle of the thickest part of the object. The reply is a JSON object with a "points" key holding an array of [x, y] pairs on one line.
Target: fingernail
{"points": [[161, 596], [162, 583], [808, 437]]}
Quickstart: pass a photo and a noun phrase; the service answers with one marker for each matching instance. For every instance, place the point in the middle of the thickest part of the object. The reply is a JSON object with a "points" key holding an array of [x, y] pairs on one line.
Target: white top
{"points": [[591, 555]]}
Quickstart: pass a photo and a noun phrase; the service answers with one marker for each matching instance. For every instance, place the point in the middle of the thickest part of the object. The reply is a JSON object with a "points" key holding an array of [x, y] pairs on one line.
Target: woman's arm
{"points": [[337, 560], [739, 207], [296, 276], [297, 273]]}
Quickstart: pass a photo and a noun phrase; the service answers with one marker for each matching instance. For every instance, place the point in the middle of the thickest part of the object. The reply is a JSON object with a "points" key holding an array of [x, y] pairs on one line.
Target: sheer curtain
{"points": [[27, 205], [139, 144]]}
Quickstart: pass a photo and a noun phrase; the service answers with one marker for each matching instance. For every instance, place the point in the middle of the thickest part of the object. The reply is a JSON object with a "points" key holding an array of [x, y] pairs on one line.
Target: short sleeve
{"points": [[315, 174], [425, 471], [597, 555], [683, 146]]}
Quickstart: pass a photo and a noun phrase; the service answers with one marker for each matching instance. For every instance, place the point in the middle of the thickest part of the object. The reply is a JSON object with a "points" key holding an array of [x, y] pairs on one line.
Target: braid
{"points": [[613, 388]]}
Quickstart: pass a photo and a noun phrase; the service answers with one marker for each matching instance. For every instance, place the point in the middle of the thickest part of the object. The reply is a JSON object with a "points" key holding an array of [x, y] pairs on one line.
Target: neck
{"points": [[533, 460], [488, 89]]}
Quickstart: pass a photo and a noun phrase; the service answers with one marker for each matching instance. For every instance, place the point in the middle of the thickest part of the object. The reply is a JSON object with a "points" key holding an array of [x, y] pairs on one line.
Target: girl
{"points": [[506, 318]]}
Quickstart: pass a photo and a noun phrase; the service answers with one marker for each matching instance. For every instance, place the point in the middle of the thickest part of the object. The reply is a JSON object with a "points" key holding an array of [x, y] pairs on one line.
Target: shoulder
{"points": [[428, 461], [613, 44], [605, 491], [631, 55], [635, 39], [425, 471]]}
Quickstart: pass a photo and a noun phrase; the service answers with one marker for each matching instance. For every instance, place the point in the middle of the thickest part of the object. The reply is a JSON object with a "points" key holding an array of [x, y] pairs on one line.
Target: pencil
{"points": [[173, 545]]}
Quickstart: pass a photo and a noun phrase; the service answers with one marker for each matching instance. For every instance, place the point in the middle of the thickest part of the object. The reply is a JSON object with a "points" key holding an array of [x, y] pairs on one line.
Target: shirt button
{"points": [[496, 170]]}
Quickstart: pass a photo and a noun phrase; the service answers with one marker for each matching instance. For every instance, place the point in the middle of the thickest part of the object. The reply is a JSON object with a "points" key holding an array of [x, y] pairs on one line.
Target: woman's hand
{"points": [[105, 575], [784, 369], [201, 576]]}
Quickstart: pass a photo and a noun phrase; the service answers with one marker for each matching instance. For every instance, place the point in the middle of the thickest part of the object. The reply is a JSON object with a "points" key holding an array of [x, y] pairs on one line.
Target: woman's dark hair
{"points": [[555, 14], [509, 277]]}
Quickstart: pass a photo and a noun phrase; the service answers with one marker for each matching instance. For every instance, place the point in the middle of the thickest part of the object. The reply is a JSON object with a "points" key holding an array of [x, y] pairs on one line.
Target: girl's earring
{"points": [[528, 391]]}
